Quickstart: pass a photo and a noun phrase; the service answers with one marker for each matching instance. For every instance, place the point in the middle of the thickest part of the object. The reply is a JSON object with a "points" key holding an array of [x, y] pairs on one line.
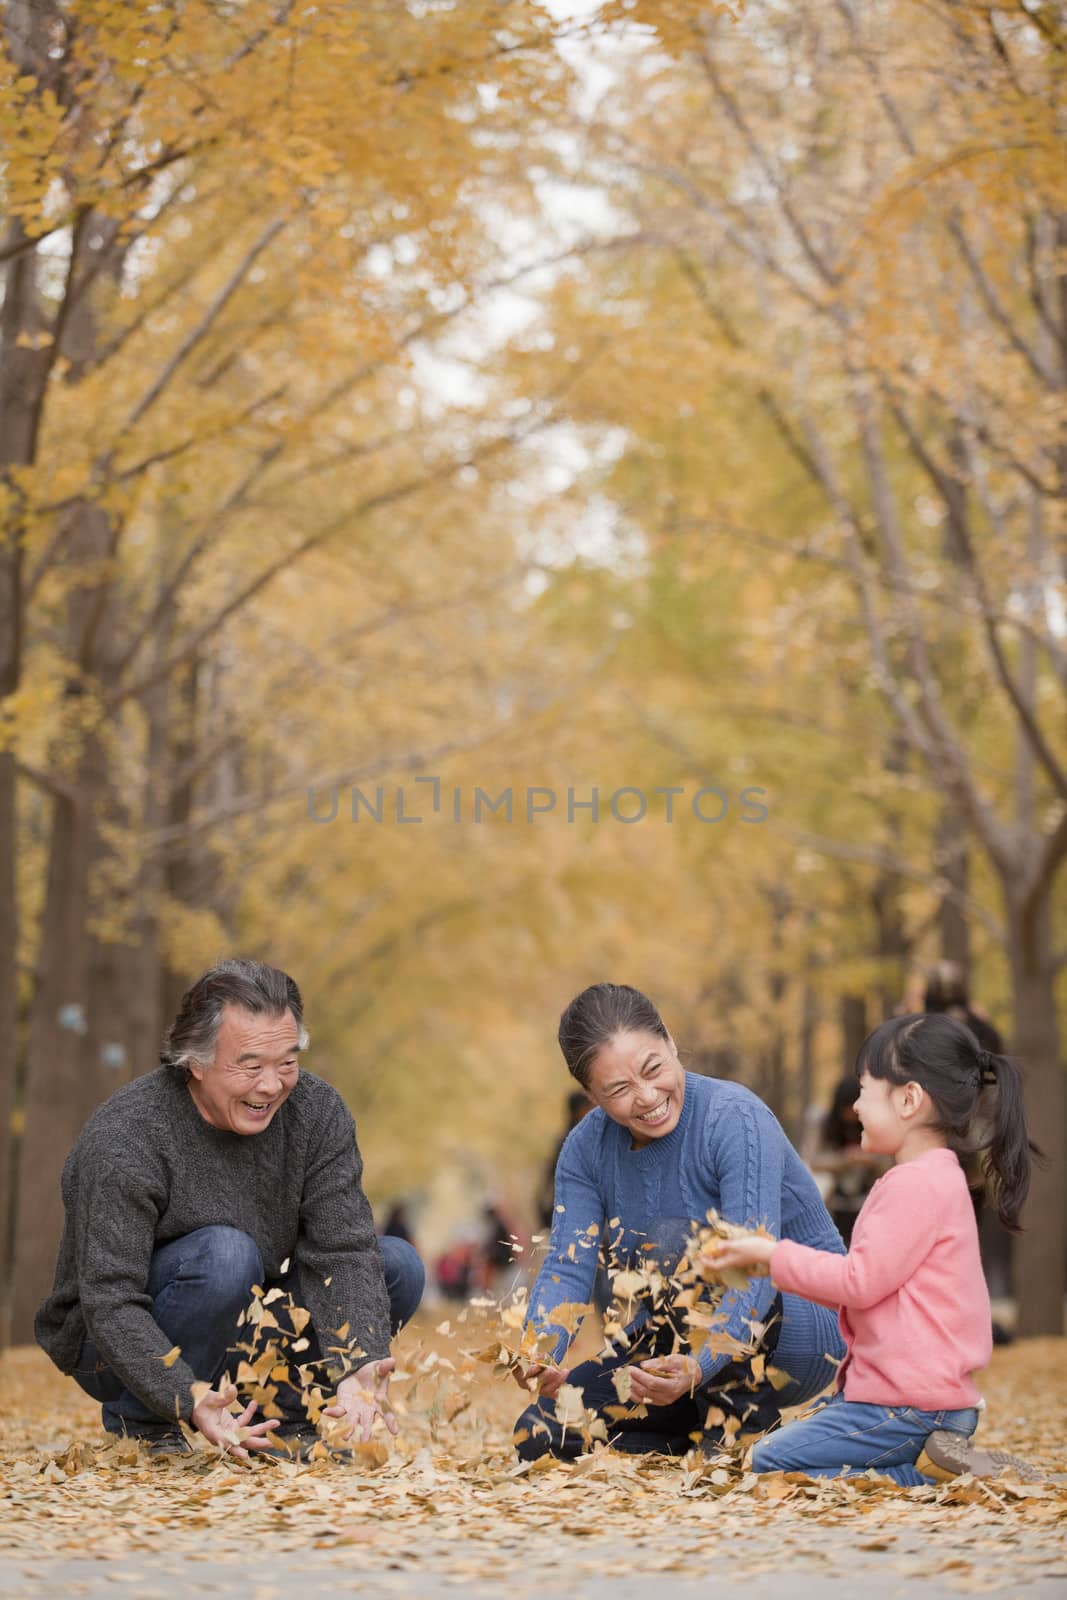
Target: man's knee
{"points": [[405, 1279], [225, 1260]]}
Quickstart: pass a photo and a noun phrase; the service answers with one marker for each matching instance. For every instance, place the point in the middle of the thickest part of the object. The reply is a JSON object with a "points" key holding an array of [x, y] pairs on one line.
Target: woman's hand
{"points": [[728, 1253], [662, 1380], [547, 1380]]}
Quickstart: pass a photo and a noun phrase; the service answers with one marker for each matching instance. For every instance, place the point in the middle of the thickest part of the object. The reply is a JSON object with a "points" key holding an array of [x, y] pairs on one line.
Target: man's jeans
{"points": [[844, 1437], [199, 1286]]}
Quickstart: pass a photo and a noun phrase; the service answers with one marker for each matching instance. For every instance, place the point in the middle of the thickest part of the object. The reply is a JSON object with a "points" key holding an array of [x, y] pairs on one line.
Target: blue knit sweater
{"points": [[728, 1151]]}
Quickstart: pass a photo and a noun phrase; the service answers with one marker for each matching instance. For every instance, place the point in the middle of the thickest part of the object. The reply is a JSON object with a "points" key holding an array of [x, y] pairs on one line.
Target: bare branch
{"points": [[986, 289], [47, 782], [1049, 860], [321, 536], [207, 321], [828, 276], [952, 496], [943, 746], [899, 867]]}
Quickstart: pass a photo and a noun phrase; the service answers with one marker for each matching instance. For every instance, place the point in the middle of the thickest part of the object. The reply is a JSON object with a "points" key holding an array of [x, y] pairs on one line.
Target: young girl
{"points": [[911, 1297]]}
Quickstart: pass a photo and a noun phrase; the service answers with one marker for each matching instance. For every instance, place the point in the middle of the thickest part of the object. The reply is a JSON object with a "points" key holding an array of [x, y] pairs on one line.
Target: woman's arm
{"points": [[747, 1149], [569, 1269]]}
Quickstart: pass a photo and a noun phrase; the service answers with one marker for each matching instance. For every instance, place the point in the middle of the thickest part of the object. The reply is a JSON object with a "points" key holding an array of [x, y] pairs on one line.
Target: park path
{"points": [[445, 1513], [778, 1563]]}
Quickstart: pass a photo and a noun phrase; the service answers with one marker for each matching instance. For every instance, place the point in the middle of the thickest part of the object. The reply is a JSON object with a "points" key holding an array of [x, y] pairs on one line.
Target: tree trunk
{"points": [[180, 873], [809, 1016], [55, 1089], [1040, 1250], [62, 1076], [23, 376], [950, 853], [853, 1027], [8, 1015]]}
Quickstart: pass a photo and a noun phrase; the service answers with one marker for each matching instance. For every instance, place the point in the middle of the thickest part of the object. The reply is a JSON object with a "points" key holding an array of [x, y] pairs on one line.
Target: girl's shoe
{"points": [[949, 1455]]}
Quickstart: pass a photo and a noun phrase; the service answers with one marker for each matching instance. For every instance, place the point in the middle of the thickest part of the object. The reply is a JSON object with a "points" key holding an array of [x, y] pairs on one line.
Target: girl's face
{"points": [[638, 1081], [878, 1109]]}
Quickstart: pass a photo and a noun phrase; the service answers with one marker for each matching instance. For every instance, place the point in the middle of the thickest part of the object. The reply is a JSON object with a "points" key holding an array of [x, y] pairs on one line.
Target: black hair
{"points": [[250, 985], [943, 1056], [837, 1129], [597, 1015]]}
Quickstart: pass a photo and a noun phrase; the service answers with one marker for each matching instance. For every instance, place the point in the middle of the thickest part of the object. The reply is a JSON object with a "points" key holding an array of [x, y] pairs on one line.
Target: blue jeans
{"points": [[199, 1286], [659, 1329], [668, 1430], [845, 1437]]}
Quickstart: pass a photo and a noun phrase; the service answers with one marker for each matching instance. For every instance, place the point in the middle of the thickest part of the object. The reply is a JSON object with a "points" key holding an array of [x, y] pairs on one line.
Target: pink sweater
{"points": [[911, 1296]]}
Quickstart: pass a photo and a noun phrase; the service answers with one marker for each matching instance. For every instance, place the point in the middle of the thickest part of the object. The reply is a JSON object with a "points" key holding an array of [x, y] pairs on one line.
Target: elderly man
{"points": [[226, 1167]]}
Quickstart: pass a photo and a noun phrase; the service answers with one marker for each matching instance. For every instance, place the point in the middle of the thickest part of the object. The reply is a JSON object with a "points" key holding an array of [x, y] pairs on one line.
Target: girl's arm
{"points": [[894, 1235]]}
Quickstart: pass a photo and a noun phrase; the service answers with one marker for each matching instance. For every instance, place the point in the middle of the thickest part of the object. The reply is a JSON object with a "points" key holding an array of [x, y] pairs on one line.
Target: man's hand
{"points": [[728, 1253], [547, 1380], [663, 1380], [213, 1418], [361, 1397]]}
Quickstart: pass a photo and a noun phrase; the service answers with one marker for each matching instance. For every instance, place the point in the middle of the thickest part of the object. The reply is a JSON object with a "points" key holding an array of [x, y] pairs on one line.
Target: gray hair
{"points": [[250, 985]]}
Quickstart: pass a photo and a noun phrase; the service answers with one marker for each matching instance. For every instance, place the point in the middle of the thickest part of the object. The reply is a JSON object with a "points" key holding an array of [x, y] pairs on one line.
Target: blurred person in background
{"points": [[499, 1249], [397, 1224], [947, 991], [578, 1106], [844, 1171]]}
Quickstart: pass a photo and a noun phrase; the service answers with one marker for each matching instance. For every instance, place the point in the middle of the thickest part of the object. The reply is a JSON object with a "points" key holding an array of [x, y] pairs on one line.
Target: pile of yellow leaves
{"points": [[450, 1488]]}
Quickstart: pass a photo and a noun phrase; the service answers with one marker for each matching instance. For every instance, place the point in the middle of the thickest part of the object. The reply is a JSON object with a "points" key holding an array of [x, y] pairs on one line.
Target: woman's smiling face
{"points": [[638, 1081]]}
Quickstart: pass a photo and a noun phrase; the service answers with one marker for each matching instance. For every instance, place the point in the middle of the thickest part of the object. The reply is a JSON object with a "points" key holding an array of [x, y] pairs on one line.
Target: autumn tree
{"points": [[229, 229], [847, 317]]}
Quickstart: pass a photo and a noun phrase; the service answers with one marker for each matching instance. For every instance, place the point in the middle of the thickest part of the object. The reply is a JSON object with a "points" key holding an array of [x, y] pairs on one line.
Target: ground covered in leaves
{"points": [[448, 1500]]}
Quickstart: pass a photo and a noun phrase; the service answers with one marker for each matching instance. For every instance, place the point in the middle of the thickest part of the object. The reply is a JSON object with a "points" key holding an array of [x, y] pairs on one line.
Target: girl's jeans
{"points": [[844, 1436]]}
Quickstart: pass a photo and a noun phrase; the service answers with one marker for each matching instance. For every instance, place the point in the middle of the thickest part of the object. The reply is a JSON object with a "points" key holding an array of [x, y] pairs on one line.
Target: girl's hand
{"points": [[663, 1380], [729, 1253]]}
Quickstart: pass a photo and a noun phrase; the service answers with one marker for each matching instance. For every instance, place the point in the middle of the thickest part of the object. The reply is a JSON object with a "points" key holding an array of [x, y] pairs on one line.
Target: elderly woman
{"points": [[662, 1147]]}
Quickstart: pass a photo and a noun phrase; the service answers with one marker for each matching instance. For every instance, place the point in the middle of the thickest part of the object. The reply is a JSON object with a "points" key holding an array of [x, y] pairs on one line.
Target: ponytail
{"points": [[1008, 1148], [944, 1056]]}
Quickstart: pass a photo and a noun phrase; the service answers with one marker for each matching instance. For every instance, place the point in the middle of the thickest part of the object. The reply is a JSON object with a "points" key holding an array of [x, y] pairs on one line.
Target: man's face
{"points": [[254, 1071]]}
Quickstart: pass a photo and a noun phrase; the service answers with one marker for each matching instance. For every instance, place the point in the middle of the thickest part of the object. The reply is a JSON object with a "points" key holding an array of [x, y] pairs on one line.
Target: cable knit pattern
{"points": [[727, 1153]]}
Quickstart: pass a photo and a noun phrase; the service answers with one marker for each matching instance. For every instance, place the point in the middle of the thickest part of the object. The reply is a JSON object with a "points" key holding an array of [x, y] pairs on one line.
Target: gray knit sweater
{"points": [[147, 1169]]}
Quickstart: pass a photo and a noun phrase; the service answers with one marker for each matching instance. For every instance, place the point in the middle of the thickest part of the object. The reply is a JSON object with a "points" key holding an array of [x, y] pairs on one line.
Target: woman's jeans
{"points": [[669, 1430], [734, 1392], [199, 1286], [844, 1436]]}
